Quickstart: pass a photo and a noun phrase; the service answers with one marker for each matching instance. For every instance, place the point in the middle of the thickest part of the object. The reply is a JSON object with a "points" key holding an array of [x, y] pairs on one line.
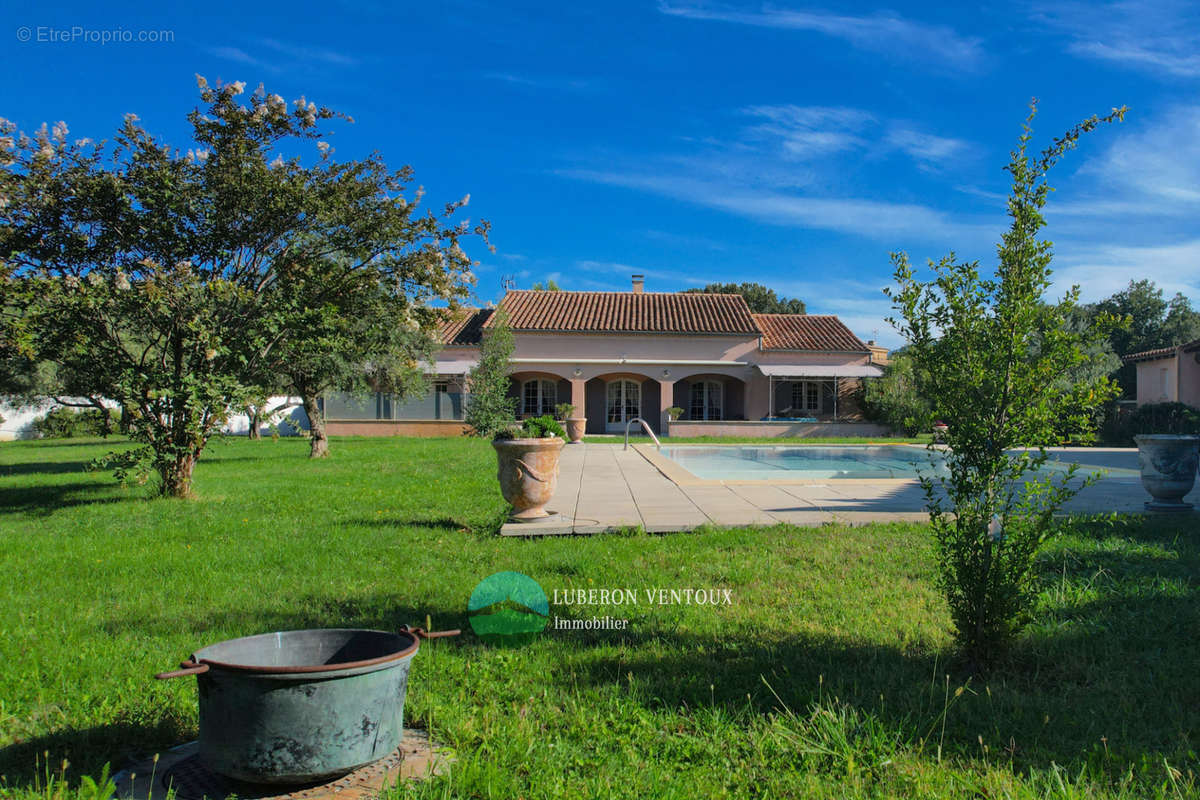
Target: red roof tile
{"points": [[628, 312], [823, 332], [464, 327]]}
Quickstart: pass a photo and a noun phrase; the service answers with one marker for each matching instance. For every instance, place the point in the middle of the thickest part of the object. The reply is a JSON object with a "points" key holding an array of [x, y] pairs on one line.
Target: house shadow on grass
{"points": [[45, 500]]}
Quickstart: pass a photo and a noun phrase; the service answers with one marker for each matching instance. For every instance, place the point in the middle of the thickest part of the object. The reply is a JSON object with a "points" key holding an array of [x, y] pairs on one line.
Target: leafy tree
{"points": [[360, 336], [896, 398], [154, 273], [490, 409], [549, 286], [761, 299], [990, 355]]}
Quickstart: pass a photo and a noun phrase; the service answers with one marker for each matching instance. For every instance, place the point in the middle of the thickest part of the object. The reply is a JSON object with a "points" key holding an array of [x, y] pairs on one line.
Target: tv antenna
{"points": [[508, 282]]}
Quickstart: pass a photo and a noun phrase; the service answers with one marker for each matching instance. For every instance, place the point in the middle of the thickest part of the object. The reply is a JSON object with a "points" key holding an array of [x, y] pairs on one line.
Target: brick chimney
{"points": [[639, 284]]}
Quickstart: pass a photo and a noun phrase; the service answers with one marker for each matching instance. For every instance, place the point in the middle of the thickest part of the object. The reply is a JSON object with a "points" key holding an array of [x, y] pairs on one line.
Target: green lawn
{"points": [[830, 675]]}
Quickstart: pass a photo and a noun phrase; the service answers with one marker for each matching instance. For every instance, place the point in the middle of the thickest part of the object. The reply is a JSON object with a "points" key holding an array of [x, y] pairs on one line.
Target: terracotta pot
{"points": [[528, 473], [575, 428], [1168, 465]]}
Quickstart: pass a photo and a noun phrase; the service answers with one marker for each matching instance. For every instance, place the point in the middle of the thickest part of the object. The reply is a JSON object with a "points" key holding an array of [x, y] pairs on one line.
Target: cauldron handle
{"points": [[421, 633], [189, 668]]}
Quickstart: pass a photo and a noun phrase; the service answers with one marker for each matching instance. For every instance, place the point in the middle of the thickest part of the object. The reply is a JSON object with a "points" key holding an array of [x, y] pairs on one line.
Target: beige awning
{"points": [[820, 370]]}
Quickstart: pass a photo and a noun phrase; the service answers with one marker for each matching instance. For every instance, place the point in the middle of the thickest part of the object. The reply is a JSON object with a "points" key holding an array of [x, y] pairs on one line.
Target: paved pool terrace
{"points": [[603, 487]]}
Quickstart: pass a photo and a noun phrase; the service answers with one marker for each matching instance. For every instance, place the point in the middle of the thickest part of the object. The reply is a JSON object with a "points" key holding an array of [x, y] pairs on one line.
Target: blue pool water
{"points": [[764, 462]]}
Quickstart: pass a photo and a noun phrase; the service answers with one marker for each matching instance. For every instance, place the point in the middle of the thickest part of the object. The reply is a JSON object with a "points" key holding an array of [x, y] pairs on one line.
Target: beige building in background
{"points": [[1168, 374], [617, 356]]}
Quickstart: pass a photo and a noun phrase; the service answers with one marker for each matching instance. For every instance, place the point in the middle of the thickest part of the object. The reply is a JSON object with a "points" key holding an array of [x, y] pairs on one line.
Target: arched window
{"points": [[538, 397], [706, 399]]}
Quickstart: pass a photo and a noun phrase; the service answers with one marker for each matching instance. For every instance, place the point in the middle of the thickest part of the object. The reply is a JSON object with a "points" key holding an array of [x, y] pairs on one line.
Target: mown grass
{"points": [[830, 675]]}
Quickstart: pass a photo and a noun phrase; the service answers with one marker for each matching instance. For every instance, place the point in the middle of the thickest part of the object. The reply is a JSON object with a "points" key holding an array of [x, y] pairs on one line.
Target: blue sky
{"points": [[785, 143]]}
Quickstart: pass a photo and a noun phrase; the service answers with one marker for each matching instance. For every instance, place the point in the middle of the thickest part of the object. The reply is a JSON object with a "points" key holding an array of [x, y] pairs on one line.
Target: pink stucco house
{"points": [[1168, 374], [620, 355]]}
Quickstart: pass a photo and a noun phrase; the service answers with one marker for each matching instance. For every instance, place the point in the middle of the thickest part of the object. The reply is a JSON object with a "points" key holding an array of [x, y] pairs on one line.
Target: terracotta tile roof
{"points": [[807, 332], [464, 327], [628, 312], [1149, 355]]}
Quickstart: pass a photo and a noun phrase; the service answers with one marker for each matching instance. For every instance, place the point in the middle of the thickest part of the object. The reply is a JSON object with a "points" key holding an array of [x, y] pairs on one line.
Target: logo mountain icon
{"points": [[508, 608]]}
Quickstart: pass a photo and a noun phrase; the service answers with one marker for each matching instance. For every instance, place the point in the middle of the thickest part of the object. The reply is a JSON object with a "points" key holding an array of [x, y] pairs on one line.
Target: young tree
{"points": [[154, 271], [991, 356], [1151, 322], [761, 299], [489, 407]]}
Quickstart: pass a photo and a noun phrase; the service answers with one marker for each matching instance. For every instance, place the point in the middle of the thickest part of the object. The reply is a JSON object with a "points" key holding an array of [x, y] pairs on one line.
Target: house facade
{"points": [[617, 356], [1168, 374]]}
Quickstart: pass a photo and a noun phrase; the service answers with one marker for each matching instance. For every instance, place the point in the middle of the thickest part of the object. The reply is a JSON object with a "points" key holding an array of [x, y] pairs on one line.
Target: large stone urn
{"points": [[575, 428], [528, 473], [1168, 464]]}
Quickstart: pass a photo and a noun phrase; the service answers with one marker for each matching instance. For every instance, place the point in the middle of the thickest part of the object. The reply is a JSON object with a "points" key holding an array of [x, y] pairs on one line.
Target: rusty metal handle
{"points": [[188, 668], [421, 633]]}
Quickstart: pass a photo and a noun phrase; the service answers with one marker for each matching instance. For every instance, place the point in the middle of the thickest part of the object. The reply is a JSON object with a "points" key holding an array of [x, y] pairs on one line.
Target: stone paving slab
{"points": [[603, 487]]}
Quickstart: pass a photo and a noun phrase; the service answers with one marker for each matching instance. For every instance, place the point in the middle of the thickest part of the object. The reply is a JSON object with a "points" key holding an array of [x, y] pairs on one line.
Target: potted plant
{"points": [[1168, 463], [575, 425], [674, 413], [527, 466]]}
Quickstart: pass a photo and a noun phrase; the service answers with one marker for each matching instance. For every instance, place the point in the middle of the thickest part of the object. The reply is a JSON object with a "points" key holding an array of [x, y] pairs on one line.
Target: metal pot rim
{"points": [[314, 668]]}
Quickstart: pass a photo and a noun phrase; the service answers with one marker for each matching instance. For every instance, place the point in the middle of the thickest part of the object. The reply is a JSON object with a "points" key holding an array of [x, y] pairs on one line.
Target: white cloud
{"points": [[855, 216], [929, 151], [1100, 270], [1161, 37], [881, 32], [806, 132], [537, 82]]}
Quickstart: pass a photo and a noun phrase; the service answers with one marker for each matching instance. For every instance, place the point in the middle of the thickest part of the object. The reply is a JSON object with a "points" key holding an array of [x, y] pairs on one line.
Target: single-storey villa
{"points": [[1168, 374], [616, 356]]}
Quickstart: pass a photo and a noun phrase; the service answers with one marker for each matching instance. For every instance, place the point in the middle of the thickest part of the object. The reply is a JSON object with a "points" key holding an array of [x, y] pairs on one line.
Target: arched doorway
{"points": [[623, 402], [706, 400]]}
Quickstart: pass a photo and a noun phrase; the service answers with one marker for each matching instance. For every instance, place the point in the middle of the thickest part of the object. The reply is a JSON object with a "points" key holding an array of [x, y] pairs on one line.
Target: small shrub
{"points": [[534, 428], [563, 411], [68, 423], [1177, 418], [674, 412]]}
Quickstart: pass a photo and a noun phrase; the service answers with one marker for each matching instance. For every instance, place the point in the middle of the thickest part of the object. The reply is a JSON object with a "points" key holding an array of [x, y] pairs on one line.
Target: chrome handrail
{"points": [[646, 427]]}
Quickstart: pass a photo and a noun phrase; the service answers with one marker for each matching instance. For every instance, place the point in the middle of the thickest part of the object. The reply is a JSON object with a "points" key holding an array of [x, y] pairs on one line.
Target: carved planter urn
{"points": [[528, 473], [575, 428], [1168, 463]]}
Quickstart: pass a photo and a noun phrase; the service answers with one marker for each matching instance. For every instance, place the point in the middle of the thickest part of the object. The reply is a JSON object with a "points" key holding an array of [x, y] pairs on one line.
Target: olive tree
{"points": [[992, 358], [154, 271]]}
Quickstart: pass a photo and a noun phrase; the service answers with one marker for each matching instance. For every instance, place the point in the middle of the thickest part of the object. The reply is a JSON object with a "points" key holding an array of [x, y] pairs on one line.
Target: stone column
{"points": [[666, 399], [579, 396]]}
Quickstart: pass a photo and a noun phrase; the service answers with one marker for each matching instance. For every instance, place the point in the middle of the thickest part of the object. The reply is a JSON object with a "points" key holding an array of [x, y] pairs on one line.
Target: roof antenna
{"points": [[508, 282]]}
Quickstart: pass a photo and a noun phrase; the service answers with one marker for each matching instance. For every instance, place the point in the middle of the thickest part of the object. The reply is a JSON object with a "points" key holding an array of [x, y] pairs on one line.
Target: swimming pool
{"points": [[803, 462]]}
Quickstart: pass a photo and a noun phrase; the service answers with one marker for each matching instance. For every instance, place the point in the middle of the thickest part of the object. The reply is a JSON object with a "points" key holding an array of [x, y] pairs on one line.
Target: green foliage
{"points": [[539, 428], [991, 357], [490, 409], [563, 411], [674, 412], [761, 299], [68, 423], [171, 280], [550, 285], [1177, 418], [896, 399]]}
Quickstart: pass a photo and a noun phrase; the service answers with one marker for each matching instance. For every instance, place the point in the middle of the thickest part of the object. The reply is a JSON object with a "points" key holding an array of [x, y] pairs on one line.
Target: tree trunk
{"points": [[252, 415], [177, 476], [318, 441]]}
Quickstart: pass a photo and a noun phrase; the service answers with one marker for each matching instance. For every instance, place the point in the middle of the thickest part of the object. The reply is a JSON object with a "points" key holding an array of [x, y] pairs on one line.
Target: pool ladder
{"points": [[645, 427]]}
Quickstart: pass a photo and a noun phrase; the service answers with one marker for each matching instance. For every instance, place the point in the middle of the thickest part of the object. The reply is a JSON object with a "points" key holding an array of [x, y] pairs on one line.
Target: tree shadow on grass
{"points": [[43, 468], [45, 500], [440, 523], [86, 750]]}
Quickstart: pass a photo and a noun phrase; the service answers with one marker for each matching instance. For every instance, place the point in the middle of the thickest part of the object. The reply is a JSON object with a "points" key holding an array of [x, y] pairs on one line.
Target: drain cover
{"points": [[181, 771]]}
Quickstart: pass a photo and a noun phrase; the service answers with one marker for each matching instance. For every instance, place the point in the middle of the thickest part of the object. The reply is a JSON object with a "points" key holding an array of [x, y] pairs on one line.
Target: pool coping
{"points": [[682, 477]]}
